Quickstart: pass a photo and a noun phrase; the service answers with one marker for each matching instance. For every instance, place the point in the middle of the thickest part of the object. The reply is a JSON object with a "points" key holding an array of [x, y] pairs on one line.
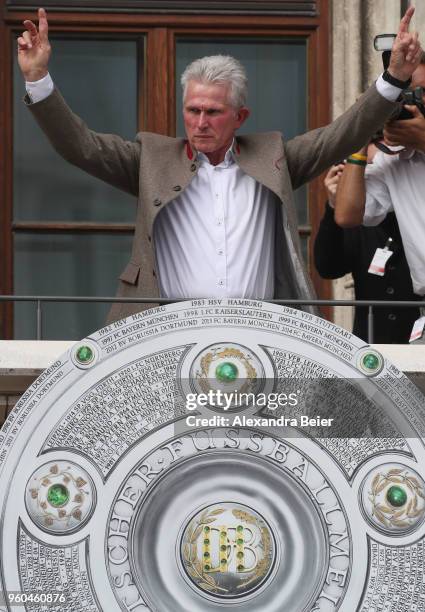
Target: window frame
{"points": [[157, 104]]}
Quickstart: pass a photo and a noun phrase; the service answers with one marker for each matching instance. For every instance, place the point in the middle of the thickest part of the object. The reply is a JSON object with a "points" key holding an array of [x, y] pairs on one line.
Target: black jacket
{"points": [[339, 251]]}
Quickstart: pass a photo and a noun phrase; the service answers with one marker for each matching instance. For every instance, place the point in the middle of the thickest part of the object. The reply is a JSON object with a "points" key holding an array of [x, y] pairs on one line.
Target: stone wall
{"points": [[356, 64]]}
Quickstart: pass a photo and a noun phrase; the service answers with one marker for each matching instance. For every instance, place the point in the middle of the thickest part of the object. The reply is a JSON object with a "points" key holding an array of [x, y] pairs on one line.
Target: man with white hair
{"points": [[216, 216]]}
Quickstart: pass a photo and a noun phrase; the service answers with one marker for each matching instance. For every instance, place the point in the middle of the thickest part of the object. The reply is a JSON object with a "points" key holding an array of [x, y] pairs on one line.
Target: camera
{"points": [[384, 43]]}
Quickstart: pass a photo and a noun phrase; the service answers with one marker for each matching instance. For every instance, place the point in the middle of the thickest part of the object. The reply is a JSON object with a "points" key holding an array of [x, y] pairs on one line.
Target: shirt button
{"points": [[177, 188], [392, 316], [193, 167], [391, 268], [221, 282], [219, 221], [157, 202], [390, 290], [220, 251]]}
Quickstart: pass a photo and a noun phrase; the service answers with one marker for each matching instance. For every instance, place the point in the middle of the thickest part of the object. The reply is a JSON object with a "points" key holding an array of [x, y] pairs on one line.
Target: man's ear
{"points": [[242, 115]]}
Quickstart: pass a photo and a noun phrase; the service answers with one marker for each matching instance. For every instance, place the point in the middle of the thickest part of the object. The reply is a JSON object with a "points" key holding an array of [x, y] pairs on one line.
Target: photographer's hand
{"points": [[408, 133], [406, 51], [331, 182]]}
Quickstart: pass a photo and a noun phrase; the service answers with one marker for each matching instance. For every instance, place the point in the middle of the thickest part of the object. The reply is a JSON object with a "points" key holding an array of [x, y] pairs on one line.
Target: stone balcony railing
{"points": [[22, 361]]}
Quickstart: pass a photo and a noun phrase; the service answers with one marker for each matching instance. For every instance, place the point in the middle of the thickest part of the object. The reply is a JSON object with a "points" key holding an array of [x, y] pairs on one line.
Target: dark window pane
{"points": [[66, 264], [99, 81]]}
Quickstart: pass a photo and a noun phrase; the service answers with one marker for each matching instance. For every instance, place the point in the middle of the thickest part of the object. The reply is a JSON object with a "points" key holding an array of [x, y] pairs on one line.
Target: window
{"points": [[71, 232], [118, 65]]}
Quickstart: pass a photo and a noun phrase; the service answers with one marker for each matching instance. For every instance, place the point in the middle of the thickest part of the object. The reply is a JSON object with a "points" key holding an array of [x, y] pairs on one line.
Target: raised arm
{"points": [[105, 156], [312, 153], [406, 52], [34, 48], [351, 193], [330, 257]]}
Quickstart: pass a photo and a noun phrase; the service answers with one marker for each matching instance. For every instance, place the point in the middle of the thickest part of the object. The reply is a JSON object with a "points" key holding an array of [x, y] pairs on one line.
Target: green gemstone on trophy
{"points": [[239, 541], [223, 534], [370, 361], [206, 529], [84, 354], [206, 555], [396, 496], [240, 568], [57, 495], [207, 567], [240, 555], [239, 528], [206, 541], [223, 547], [226, 372]]}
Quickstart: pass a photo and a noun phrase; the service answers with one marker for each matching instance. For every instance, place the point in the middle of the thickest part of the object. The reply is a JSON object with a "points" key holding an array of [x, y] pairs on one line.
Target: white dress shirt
{"points": [[397, 183], [217, 238]]}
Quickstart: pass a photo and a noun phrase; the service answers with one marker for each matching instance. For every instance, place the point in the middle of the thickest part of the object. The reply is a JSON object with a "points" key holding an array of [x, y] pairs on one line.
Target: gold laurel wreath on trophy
{"points": [[265, 544], [391, 517], [190, 552], [231, 352]]}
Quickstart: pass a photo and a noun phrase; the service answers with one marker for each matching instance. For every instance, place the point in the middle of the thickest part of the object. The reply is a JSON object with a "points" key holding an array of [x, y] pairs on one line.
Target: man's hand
{"points": [[331, 182], [408, 133], [34, 48], [406, 51]]}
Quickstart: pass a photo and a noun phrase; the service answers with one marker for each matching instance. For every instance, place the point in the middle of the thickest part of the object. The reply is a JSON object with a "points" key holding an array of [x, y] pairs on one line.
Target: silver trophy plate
{"points": [[215, 455]]}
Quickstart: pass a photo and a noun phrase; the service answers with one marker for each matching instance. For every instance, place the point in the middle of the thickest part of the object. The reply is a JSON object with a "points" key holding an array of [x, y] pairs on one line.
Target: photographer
{"points": [[393, 182], [409, 133], [339, 251]]}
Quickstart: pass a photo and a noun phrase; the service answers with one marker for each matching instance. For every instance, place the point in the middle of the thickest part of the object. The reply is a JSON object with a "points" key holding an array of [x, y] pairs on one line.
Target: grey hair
{"points": [[220, 69]]}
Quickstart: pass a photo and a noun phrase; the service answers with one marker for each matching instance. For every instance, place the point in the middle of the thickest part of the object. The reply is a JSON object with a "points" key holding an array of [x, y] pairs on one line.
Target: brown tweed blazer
{"points": [[157, 168]]}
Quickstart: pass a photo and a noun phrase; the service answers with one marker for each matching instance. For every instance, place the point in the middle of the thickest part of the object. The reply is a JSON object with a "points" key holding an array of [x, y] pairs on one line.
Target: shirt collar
{"points": [[228, 160]]}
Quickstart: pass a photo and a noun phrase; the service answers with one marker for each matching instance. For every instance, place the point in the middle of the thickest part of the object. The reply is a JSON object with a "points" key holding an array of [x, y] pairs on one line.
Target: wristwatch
{"points": [[396, 82]]}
